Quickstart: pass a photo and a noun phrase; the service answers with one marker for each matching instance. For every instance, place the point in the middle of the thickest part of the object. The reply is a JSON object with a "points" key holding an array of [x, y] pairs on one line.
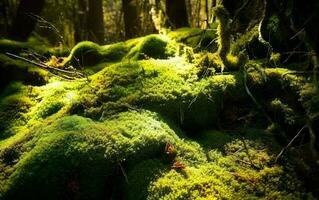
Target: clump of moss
{"points": [[282, 112], [13, 111], [223, 31], [78, 157], [309, 97], [89, 54], [152, 46]]}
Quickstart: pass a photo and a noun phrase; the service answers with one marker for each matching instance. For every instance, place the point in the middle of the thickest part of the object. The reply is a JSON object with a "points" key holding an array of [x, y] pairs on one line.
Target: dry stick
{"points": [[248, 154], [290, 143], [46, 67], [123, 172], [253, 98], [240, 9]]}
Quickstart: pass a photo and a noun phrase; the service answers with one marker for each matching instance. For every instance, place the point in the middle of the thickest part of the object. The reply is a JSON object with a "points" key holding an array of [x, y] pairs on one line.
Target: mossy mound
{"points": [[150, 124], [152, 46], [75, 157], [78, 157], [22, 107], [88, 53], [169, 87]]}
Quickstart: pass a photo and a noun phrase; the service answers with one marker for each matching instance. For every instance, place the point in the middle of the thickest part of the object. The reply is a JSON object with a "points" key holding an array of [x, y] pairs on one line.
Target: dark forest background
{"points": [[289, 26]]}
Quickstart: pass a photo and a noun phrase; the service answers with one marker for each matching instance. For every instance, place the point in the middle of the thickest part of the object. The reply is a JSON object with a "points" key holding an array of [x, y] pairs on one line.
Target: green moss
{"points": [[282, 112], [223, 57], [75, 151], [223, 31], [89, 54], [309, 98], [13, 111], [124, 157], [147, 92], [238, 173], [140, 177], [169, 87], [152, 46]]}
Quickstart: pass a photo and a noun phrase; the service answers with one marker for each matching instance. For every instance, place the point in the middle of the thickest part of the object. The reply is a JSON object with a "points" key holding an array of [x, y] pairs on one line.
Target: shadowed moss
{"points": [[15, 70], [33, 45]]}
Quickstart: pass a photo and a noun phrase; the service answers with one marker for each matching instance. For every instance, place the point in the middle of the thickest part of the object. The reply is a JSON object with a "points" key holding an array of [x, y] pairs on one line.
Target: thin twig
{"points": [[69, 75], [290, 143], [123, 172]]}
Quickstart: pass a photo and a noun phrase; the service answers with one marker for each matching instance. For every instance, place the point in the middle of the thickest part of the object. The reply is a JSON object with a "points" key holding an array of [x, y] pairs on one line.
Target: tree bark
{"points": [[207, 13], [80, 21], [23, 24], [131, 18], [177, 13], [95, 21]]}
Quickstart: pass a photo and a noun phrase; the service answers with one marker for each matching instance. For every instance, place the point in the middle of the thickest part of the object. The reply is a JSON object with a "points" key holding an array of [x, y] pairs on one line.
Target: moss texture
{"points": [[150, 124]]}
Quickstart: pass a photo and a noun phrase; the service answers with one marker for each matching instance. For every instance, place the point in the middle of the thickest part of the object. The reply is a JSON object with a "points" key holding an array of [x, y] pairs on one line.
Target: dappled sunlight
{"points": [[158, 100]]}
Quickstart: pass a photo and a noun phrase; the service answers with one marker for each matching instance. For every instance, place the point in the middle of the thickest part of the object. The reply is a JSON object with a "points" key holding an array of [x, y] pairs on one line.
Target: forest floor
{"points": [[156, 117]]}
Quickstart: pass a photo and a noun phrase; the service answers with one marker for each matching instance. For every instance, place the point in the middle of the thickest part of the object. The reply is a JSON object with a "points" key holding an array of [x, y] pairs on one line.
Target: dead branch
{"points": [[290, 143], [64, 74]]}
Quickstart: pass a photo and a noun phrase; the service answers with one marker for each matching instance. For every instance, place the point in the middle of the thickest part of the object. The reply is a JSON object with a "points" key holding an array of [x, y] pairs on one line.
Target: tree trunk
{"points": [[80, 21], [207, 13], [131, 18], [95, 21], [177, 13], [23, 24]]}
